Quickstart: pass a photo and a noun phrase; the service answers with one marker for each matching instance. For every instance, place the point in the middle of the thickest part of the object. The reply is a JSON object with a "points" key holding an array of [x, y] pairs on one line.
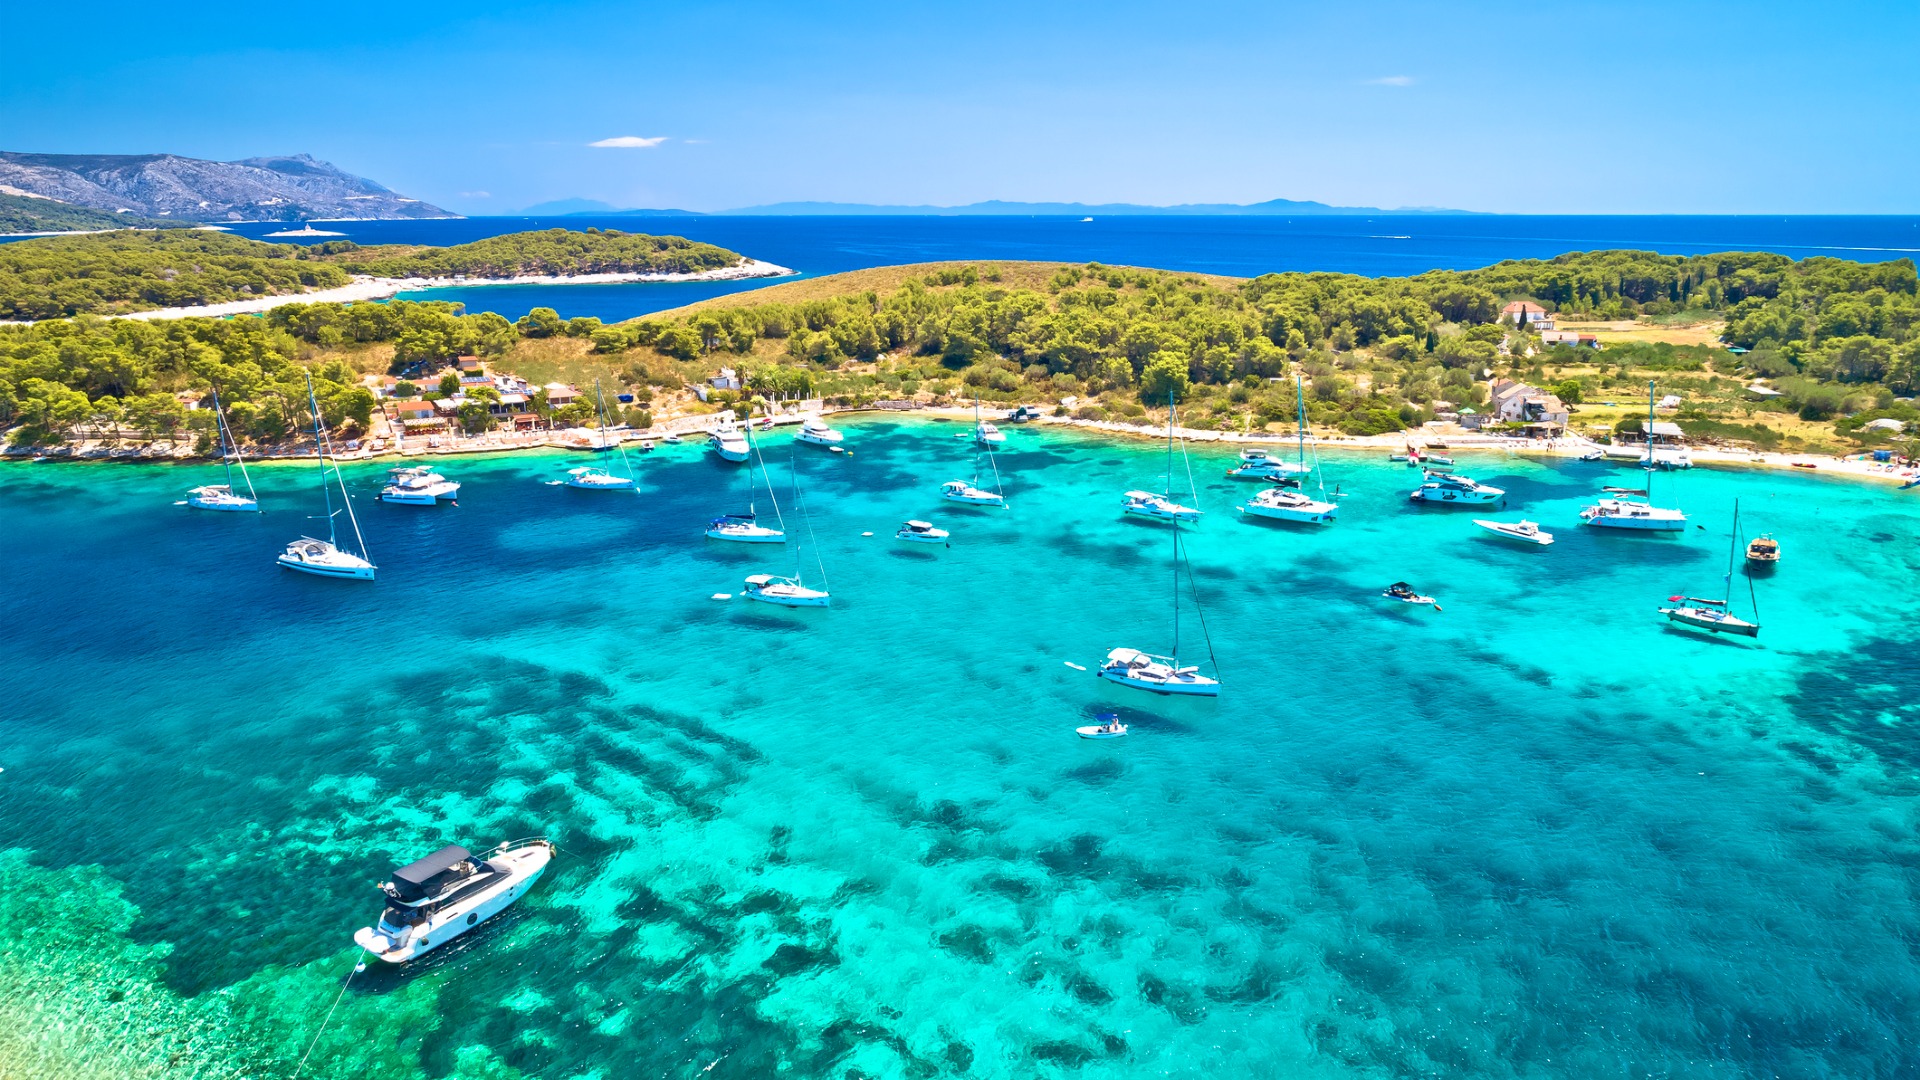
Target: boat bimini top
{"points": [[422, 880]]}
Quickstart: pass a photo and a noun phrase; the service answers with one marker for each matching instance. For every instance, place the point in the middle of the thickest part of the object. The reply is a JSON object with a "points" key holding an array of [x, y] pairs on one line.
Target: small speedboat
{"points": [[588, 476], [419, 486], [1526, 532], [1764, 552], [322, 559], [785, 591], [1148, 505], [1437, 459], [436, 899], [744, 529], [815, 430], [1404, 593], [962, 492], [1109, 727], [921, 532], [219, 497], [1159, 674]]}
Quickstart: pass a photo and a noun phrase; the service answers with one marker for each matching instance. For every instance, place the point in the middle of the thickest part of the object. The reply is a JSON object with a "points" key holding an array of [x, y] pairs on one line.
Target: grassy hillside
{"points": [[22, 214]]}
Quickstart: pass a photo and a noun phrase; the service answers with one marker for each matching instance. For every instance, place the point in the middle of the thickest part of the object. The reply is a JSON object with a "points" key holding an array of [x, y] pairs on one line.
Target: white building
{"points": [[1535, 316]]}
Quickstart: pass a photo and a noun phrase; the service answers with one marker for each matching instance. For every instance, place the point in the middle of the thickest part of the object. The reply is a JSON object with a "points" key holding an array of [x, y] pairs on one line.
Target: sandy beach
{"points": [[375, 288]]}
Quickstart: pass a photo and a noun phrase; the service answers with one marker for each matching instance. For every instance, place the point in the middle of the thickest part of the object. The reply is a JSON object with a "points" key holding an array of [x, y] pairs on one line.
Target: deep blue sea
{"points": [[1537, 834], [1239, 246]]}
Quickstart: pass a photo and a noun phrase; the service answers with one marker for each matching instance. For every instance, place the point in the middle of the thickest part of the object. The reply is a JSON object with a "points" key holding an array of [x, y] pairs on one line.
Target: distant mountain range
{"points": [[296, 188], [995, 207]]}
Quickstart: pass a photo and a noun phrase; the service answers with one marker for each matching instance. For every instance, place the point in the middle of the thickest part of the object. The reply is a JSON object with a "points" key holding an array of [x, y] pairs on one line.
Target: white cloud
{"points": [[1391, 80], [476, 194], [635, 142]]}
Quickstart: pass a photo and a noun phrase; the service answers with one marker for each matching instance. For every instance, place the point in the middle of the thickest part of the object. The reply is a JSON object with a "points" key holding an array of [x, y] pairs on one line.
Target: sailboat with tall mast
{"points": [[223, 496], [973, 494], [592, 477], [1165, 674], [792, 591], [1161, 507], [984, 432], [1627, 513], [746, 528], [1281, 504], [326, 558], [1717, 616]]}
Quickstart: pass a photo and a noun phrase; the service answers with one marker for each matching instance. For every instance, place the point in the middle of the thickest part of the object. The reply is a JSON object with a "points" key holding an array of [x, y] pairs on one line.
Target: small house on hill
{"points": [[1522, 312], [560, 395], [1517, 403]]}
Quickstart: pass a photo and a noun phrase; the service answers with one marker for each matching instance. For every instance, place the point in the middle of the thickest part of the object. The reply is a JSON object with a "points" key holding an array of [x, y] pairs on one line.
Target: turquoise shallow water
{"points": [[1538, 834]]}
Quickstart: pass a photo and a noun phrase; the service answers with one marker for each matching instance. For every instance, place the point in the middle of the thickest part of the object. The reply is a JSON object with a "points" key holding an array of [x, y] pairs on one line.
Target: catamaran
{"points": [[792, 591], [419, 485], [1627, 513], [325, 558], [746, 528], [1165, 674], [222, 496], [1161, 507], [433, 900], [594, 478], [1281, 504], [726, 440], [1712, 615]]}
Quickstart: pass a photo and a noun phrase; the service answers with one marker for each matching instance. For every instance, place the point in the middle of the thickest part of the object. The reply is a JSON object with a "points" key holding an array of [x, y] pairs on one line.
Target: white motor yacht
{"points": [[744, 529], [1282, 505], [921, 532], [815, 430], [1633, 514], [1442, 487], [1257, 464], [419, 486], [1148, 505], [596, 479], [985, 434], [962, 492], [436, 899], [1160, 674], [785, 591], [726, 440], [1526, 532], [322, 559], [219, 497]]}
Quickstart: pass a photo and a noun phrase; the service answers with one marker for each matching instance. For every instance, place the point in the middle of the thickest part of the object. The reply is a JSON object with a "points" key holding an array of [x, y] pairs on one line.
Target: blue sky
{"points": [[1675, 107]]}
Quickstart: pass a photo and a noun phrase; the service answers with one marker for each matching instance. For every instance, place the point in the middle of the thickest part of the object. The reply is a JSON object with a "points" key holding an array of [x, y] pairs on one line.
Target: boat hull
{"points": [[1712, 621], [430, 497], [345, 572], [1637, 524], [443, 926], [817, 439], [748, 536], [230, 505], [1310, 514], [783, 599], [587, 485], [1458, 498], [920, 538], [1507, 532], [1191, 686]]}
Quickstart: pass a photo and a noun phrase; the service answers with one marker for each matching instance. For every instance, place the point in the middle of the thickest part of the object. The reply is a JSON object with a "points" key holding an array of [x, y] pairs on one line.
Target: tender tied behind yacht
{"points": [[1283, 505], [743, 528], [1526, 532], [418, 486], [593, 477], [440, 897], [321, 558], [1148, 505], [1444, 487], [815, 430], [1633, 514], [785, 591], [962, 492], [921, 532], [219, 497], [1143, 671], [726, 439]]}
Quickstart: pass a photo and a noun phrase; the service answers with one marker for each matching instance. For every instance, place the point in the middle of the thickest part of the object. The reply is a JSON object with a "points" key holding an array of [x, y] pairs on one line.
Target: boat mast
{"points": [[1169, 487], [1175, 656], [600, 402], [1733, 544], [226, 429], [320, 449]]}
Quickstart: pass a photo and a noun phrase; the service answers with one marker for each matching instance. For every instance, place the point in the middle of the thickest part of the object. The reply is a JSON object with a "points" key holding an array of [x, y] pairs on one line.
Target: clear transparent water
{"points": [[1537, 834]]}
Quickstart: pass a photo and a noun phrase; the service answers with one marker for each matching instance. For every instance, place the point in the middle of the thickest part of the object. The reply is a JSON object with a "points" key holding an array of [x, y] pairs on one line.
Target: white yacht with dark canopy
{"points": [[223, 496], [325, 558], [436, 899]]}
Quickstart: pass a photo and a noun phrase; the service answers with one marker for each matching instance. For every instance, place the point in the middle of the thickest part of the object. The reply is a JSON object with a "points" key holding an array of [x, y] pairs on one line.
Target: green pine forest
{"points": [[1375, 355]]}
